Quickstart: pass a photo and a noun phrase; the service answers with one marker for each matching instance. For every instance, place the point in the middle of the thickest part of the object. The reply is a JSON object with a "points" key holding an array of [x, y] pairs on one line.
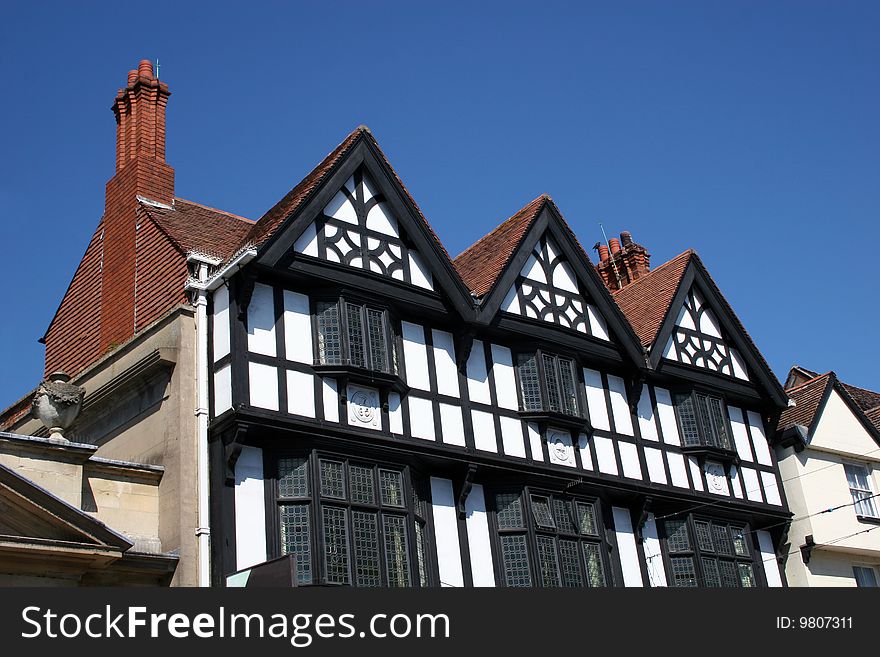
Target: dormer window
{"points": [[702, 419]]}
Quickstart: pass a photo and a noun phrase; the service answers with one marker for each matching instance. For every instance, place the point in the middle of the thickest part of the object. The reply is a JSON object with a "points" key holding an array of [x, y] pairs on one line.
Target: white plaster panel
{"points": [[654, 461], [421, 275], [421, 418], [505, 383], [479, 543], [297, 328], [512, 437], [453, 427], [484, 431], [535, 441], [605, 455], [626, 546], [696, 473], [330, 399], [647, 422], [444, 362], [759, 439], [395, 413], [563, 278], [221, 323], [653, 556], [446, 532], [598, 327], [768, 559], [736, 482], [415, 356], [750, 483], [478, 376], [300, 393], [629, 459], [739, 366], [381, 220], [584, 450], [619, 405], [740, 435], [511, 301], [263, 386], [771, 488], [677, 470], [307, 243], [261, 321], [596, 400], [222, 389], [250, 509], [666, 414]]}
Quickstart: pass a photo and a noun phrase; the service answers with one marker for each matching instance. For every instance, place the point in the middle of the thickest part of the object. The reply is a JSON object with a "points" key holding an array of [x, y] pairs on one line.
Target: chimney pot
{"points": [[132, 77], [145, 69], [626, 238], [603, 253], [615, 245]]}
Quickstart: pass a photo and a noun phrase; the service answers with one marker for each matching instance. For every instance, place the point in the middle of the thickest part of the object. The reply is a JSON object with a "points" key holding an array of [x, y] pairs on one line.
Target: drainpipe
{"points": [[203, 531], [200, 286]]}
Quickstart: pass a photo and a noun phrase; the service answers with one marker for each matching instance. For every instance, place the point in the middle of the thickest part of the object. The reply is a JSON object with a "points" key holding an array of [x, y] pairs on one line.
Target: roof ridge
{"points": [[217, 210], [515, 215]]}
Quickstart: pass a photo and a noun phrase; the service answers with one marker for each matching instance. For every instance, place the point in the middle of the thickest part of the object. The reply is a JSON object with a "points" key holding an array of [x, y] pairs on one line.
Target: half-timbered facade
{"points": [[516, 416], [394, 417]]}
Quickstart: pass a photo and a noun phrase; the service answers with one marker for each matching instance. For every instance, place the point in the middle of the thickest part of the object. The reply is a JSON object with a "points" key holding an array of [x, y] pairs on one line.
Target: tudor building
{"points": [[393, 417]]}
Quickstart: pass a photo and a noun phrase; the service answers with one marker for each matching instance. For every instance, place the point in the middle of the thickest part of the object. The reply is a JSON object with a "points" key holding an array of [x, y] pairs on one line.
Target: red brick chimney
{"points": [[626, 262], [141, 170]]}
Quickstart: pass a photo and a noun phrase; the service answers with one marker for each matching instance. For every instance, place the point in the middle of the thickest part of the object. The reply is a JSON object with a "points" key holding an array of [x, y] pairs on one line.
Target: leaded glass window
{"points": [[548, 540], [721, 550], [547, 383], [359, 336], [357, 520], [702, 420]]}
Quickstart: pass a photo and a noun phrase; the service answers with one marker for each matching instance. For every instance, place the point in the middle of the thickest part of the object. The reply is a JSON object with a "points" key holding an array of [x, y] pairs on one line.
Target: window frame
{"points": [[532, 533], [699, 554], [546, 415], [873, 570], [867, 471], [316, 502], [705, 447], [346, 371]]}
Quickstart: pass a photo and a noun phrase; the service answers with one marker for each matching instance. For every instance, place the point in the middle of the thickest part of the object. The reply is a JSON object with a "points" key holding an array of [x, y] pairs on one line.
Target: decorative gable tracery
{"points": [[697, 340], [547, 289], [357, 228]]}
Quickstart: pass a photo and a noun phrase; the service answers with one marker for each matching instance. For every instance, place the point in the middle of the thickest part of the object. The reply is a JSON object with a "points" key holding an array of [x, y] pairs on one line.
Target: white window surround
{"points": [[858, 478]]}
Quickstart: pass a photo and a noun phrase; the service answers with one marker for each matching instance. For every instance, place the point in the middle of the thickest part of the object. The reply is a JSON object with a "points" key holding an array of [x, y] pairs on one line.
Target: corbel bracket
{"points": [[807, 548], [244, 290], [643, 518], [466, 486], [232, 445]]}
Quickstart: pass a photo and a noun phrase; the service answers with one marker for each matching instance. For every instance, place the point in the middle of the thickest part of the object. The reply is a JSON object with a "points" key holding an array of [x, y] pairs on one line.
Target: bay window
{"points": [[350, 522], [702, 420], [710, 553], [355, 335], [548, 384]]}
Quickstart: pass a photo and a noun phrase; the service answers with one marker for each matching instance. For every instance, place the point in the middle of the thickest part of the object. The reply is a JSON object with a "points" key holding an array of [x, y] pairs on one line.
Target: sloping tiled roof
{"points": [[197, 228], [866, 399], [874, 416], [481, 264], [806, 398], [646, 300], [270, 222]]}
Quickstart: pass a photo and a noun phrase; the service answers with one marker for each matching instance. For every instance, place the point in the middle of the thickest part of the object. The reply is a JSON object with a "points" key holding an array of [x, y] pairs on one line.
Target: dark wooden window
{"points": [[355, 335], [548, 540], [351, 522], [548, 383], [709, 553], [703, 421]]}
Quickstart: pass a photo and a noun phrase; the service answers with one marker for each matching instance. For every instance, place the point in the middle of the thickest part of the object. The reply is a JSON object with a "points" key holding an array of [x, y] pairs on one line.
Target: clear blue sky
{"points": [[746, 130]]}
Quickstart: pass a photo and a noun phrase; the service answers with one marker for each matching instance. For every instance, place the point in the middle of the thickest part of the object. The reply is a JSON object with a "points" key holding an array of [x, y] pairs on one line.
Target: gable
{"points": [[548, 289], [697, 339], [358, 228], [838, 428]]}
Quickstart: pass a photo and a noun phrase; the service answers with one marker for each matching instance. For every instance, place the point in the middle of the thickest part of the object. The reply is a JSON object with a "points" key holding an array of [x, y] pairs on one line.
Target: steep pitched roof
{"points": [[481, 264], [867, 400], [646, 300], [807, 398], [198, 228], [297, 197]]}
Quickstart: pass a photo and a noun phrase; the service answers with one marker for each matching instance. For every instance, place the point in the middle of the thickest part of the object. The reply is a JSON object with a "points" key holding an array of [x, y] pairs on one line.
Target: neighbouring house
{"points": [[828, 447], [328, 383]]}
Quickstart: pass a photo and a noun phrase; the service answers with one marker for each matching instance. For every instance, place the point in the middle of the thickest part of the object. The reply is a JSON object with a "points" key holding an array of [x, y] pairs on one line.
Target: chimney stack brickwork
{"points": [[624, 263], [114, 267]]}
